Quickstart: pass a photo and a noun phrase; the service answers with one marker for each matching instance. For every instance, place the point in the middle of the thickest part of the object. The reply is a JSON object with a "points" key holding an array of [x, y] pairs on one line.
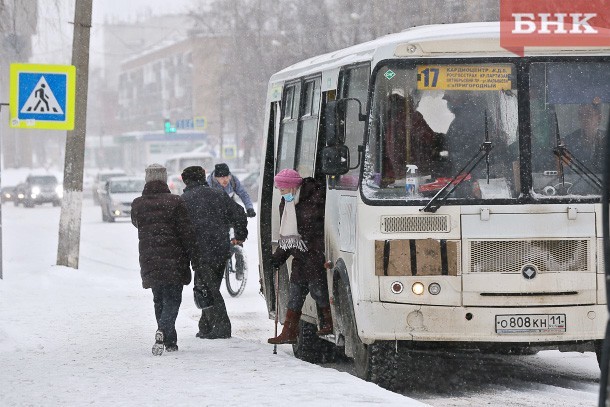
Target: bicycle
{"points": [[236, 271]]}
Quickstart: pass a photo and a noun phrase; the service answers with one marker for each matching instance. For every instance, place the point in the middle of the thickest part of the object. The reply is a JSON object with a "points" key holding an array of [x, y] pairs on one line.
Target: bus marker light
{"points": [[434, 288], [417, 288], [397, 287]]}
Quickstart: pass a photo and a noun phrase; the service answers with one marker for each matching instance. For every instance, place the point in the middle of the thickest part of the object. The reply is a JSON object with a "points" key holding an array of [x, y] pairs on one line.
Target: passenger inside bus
{"points": [[408, 138], [586, 142], [467, 131]]}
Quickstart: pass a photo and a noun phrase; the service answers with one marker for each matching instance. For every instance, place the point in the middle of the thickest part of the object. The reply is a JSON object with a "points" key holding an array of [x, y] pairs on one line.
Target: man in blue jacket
{"points": [[212, 214], [222, 179]]}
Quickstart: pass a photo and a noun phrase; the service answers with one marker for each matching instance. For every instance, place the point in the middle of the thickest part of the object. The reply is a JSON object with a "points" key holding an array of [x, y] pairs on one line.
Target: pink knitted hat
{"points": [[287, 178]]}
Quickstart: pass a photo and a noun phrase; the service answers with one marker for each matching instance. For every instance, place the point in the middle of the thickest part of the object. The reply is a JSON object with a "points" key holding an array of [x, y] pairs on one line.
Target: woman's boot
{"points": [[290, 331], [326, 322]]}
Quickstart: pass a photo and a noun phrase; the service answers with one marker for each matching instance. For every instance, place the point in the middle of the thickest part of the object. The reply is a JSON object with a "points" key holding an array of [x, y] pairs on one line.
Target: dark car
{"points": [[8, 194], [39, 189], [117, 195]]}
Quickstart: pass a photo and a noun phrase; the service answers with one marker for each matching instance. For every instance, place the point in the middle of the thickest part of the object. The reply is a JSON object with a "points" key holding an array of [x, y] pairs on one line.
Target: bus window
{"points": [[569, 105], [309, 128], [435, 131], [288, 130], [353, 83]]}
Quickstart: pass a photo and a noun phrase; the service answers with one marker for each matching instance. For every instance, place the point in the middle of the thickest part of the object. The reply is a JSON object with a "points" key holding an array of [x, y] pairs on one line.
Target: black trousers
{"points": [[167, 299], [214, 320]]}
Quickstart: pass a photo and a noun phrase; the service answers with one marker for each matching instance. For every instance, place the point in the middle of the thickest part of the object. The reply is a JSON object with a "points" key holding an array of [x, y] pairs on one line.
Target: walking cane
{"points": [[277, 304]]}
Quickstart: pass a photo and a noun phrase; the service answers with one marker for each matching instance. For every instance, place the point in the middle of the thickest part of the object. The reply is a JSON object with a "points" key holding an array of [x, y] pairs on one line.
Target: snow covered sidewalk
{"points": [[82, 337]]}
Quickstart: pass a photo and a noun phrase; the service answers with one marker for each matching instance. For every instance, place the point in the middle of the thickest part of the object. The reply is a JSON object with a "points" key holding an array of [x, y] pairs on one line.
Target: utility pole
{"points": [[72, 203]]}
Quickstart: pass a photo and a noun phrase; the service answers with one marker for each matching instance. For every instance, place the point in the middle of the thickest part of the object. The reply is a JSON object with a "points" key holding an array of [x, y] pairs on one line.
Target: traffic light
{"points": [[168, 127]]}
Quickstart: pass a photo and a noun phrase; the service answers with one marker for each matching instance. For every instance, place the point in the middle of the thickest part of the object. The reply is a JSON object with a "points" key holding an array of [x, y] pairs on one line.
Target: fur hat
{"points": [[287, 178], [192, 174], [221, 170], [156, 172]]}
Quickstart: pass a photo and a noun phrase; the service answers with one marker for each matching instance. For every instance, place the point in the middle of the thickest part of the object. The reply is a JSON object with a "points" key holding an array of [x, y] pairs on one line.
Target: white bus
{"points": [[463, 194]]}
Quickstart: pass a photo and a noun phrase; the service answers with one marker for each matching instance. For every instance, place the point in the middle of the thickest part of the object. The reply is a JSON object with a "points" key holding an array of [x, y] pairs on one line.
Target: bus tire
{"points": [[379, 362], [310, 347]]}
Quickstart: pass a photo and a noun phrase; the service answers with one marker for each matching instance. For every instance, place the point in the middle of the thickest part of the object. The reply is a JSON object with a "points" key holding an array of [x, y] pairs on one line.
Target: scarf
{"points": [[289, 232]]}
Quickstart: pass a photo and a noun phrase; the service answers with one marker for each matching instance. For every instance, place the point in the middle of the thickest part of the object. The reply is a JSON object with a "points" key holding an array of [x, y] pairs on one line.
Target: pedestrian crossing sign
{"points": [[42, 96]]}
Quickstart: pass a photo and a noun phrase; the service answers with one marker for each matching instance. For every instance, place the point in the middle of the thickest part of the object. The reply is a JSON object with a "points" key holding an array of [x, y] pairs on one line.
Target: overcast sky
{"points": [[53, 44]]}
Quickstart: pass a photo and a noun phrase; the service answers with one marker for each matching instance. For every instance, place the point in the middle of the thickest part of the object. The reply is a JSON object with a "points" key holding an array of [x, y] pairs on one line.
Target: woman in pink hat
{"points": [[302, 237]]}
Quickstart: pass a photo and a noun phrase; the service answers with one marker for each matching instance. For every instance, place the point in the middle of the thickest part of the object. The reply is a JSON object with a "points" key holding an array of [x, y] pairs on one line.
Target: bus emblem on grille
{"points": [[529, 271]]}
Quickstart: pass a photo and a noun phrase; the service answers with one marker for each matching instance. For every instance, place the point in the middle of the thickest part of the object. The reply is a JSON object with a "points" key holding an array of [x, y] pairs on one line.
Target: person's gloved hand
{"points": [[250, 213]]}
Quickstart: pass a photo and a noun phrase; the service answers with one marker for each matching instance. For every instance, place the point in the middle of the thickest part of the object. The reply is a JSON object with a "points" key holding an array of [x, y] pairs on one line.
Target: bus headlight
{"points": [[417, 288], [434, 288]]}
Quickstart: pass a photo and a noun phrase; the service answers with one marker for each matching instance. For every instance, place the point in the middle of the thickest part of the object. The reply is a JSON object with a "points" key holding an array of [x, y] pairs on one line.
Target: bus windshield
{"points": [[428, 122], [569, 103]]}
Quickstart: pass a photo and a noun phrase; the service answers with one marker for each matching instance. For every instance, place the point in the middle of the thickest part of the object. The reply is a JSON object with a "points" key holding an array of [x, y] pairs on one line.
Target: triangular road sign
{"points": [[42, 100]]}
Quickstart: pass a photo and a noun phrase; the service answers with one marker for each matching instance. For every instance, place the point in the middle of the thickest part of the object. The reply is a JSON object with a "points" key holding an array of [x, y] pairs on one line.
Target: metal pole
{"points": [[1, 261]]}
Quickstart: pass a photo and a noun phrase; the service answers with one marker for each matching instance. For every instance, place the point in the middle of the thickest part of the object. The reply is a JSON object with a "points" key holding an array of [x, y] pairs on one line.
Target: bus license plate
{"points": [[531, 324]]}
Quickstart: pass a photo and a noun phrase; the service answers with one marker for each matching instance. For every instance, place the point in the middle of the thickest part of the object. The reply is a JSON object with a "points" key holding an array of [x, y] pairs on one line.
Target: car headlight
{"points": [[59, 190], [35, 190]]}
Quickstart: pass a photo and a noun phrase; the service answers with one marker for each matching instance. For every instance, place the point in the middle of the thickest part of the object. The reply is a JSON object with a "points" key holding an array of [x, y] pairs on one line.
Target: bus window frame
{"points": [[293, 84], [341, 94], [305, 115]]}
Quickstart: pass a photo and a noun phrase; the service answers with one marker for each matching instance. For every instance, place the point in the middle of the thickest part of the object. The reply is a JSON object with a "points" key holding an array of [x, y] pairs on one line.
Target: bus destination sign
{"points": [[464, 77]]}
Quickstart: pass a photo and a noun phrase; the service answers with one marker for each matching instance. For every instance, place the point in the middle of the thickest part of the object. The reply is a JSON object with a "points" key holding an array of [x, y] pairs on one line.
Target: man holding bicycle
{"points": [[212, 214]]}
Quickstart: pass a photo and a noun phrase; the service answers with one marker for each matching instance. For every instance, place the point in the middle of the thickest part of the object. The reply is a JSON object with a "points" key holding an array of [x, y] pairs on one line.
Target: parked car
{"points": [[100, 181], [39, 189], [117, 195], [8, 194]]}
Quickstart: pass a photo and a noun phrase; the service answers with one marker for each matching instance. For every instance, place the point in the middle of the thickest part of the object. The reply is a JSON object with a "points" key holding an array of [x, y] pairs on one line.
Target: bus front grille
{"points": [[415, 223], [509, 256]]}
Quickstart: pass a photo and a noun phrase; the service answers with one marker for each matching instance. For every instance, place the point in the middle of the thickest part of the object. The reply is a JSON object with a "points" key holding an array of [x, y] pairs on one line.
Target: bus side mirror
{"points": [[335, 160], [330, 123], [335, 115]]}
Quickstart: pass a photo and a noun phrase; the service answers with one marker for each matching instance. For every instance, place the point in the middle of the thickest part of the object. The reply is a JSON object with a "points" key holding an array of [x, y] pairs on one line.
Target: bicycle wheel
{"points": [[236, 272]]}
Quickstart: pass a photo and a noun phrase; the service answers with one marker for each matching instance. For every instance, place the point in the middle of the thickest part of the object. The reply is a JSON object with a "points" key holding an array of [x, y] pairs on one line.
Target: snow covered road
{"points": [[76, 337]]}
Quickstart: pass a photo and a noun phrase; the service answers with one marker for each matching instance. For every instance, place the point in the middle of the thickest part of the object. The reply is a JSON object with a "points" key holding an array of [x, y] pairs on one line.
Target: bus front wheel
{"points": [[310, 347], [379, 362]]}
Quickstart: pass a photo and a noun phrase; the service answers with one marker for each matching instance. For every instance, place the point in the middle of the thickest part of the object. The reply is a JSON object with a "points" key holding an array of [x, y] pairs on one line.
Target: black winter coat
{"points": [[212, 214], [307, 266], [166, 236]]}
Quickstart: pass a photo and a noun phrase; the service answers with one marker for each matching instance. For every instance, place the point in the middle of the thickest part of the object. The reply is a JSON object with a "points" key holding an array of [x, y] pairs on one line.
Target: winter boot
{"points": [[290, 331], [171, 347], [326, 322], [157, 348]]}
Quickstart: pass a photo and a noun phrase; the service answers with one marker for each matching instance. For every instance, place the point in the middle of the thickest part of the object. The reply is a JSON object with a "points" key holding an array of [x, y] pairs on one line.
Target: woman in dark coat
{"points": [[166, 240], [302, 237]]}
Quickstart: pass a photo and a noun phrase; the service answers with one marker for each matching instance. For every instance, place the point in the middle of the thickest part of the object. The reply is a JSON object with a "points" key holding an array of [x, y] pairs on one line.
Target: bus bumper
{"points": [[425, 323]]}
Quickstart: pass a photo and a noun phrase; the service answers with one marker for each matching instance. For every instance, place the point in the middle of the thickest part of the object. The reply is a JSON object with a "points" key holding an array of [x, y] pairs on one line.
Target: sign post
{"points": [[1, 260]]}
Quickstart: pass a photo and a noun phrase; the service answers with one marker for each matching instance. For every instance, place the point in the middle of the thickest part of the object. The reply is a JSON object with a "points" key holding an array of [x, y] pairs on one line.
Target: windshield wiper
{"points": [[442, 195], [566, 157]]}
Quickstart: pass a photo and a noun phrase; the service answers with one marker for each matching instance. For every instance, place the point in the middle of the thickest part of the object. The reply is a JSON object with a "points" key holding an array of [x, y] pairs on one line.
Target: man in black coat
{"points": [[213, 214], [166, 237]]}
